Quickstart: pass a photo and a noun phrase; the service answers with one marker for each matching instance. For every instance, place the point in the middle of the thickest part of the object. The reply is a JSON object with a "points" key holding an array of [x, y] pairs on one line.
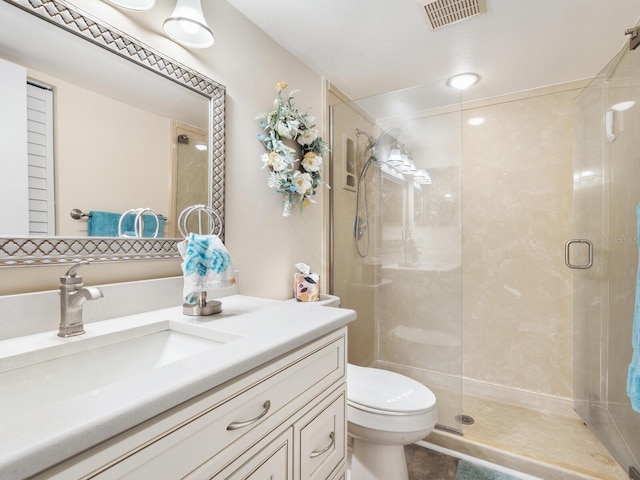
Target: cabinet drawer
{"points": [[275, 461], [322, 438], [222, 428]]}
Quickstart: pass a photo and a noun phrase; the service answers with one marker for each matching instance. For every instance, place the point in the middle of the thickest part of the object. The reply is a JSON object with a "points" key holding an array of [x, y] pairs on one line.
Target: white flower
{"points": [[312, 162], [307, 137], [283, 129], [302, 182], [275, 161]]}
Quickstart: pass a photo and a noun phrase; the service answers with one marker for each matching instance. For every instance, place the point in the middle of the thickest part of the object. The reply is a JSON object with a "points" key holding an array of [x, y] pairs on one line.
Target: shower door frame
{"points": [[604, 213]]}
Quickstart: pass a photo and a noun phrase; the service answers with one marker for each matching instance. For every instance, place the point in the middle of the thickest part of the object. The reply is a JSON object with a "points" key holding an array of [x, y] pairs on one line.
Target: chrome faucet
{"points": [[73, 294]]}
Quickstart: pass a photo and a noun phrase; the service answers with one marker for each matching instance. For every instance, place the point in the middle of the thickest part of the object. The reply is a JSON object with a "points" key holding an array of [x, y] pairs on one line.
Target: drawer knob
{"points": [[246, 423], [317, 453]]}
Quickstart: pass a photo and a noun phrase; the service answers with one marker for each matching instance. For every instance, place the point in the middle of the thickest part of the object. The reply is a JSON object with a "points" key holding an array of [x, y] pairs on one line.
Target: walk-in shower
{"points": [[484, 313]]}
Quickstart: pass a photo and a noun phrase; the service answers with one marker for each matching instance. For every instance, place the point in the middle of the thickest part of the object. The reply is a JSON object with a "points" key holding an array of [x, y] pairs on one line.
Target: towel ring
{"points": [[215, 222], [138, 222]]}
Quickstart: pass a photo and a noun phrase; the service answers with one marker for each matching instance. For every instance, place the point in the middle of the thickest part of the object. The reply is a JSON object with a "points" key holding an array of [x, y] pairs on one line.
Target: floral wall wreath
{"points": [[294, 172]]}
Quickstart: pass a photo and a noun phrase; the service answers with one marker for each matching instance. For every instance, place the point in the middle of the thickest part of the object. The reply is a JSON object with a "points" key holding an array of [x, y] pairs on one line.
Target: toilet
{"points": [[385, 412]]}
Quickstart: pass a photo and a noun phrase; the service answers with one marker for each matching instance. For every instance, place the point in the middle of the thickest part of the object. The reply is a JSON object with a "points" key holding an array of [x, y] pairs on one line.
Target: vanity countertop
{"points": [[52, 431]]}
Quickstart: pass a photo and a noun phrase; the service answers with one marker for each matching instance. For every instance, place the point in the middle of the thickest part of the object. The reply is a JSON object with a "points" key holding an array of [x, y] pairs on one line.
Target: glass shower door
{"points": [[399, 265], [606, 193]]}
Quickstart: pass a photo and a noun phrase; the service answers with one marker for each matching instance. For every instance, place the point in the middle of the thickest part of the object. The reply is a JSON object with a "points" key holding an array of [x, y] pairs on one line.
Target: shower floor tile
{"points": [[545, 445]]}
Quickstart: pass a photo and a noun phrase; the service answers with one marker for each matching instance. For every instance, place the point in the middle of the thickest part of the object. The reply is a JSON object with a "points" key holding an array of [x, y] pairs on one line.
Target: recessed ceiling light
{"points": [[475, 121], [463, 80]]}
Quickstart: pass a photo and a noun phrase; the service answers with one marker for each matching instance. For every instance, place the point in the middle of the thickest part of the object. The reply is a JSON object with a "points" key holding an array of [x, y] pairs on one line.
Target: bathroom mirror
{"points": [[170, 89]]}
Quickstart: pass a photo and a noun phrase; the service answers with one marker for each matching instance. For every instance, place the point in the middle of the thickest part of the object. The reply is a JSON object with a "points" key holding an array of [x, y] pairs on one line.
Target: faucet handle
{"points": [[72, 277]]}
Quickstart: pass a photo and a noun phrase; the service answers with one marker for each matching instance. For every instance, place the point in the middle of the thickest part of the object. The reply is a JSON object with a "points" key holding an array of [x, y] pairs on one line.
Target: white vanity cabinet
{"points": [[284, 420]]}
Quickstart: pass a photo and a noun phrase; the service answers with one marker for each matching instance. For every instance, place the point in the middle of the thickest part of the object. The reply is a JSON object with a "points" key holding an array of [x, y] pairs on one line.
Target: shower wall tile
{"points": [[354, 277], [517, 215]]}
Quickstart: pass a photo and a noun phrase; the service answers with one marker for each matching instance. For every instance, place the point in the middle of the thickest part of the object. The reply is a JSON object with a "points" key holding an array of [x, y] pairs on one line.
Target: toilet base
{"points": [[373, 461]]}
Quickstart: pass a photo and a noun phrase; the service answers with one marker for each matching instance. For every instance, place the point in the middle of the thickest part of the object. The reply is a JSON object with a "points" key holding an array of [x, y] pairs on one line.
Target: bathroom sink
{"points": [[88, 364]]}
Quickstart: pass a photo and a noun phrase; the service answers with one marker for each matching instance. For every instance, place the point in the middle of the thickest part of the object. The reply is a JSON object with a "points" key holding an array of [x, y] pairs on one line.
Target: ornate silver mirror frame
{"points": [[28, 251]]}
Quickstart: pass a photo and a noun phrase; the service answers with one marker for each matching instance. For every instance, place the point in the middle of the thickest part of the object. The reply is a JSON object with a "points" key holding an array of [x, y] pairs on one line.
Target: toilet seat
{"points": [[387, 393]]}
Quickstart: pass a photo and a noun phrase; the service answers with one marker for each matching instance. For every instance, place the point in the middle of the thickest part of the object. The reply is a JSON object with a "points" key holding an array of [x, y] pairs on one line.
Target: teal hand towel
{"points": [[633, 380], [206, 266], [105, 224]]}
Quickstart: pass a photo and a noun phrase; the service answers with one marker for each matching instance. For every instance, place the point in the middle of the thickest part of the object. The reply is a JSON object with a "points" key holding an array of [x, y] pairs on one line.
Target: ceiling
{"points": [[370, 47]]}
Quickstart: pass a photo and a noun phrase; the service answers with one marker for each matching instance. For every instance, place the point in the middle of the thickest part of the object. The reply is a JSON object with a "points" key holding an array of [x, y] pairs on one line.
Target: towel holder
{"points": [[138, 222], [77, 214], [202, 307], [215, 222]]}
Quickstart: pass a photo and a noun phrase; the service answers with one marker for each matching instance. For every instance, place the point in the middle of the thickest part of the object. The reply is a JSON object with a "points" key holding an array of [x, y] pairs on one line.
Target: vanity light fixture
{"points": [[394, 155], [137, 5], [187, 25], [622, 106], [463, 80]]}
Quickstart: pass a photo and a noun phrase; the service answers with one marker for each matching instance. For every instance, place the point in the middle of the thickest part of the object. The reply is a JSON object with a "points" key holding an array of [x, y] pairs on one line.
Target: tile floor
{"points": [[425, 464]]}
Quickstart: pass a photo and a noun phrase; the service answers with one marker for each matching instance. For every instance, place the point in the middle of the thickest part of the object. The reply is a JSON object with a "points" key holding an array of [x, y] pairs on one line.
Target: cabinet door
{"points": [[322, 438], [271, 462]]}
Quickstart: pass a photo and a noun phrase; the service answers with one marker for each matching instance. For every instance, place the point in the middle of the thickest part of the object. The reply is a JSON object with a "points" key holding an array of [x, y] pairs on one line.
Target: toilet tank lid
{"points": [[387, 391]]}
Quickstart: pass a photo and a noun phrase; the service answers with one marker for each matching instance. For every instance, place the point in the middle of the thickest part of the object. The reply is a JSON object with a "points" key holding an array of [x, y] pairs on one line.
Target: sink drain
{"points": [[465, 419]]}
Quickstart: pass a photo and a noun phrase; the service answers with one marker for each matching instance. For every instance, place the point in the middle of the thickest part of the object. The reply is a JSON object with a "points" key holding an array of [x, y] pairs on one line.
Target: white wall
{"points": [[263, 244], [14, 194]]}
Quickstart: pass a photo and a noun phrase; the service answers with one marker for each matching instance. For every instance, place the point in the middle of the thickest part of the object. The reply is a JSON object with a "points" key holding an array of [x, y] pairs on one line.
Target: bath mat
{"points": [[470, 471]]}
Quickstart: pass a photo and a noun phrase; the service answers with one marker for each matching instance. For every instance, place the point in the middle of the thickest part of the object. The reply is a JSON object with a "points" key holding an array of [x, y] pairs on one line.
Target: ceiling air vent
{"points": [[441, 13]]}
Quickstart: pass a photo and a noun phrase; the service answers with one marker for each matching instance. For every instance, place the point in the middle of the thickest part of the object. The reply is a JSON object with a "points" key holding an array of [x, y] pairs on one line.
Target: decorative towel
{"points": [[206, 266], [633, 381], [105, 224]]}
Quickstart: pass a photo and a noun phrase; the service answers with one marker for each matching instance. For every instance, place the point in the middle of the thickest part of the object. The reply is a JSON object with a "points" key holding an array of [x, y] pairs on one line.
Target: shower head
{"points": [[389, 136]]}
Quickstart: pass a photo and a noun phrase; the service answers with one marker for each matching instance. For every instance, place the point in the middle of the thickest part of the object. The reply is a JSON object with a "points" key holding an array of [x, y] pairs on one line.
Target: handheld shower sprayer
{"points": [[360, 223]]}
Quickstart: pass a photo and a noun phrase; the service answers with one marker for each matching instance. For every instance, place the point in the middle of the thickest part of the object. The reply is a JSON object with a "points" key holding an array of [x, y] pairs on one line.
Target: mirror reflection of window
{"points": [[26, 154], [41, 185], [190, 179]]}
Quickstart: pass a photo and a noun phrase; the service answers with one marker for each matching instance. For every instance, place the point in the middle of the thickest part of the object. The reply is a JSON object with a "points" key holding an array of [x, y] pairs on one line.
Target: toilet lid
{"points": [[383, 390]]}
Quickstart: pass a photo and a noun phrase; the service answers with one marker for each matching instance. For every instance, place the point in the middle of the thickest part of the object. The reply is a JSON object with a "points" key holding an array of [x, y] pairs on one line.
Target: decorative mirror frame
{"points": [[29, 251]]}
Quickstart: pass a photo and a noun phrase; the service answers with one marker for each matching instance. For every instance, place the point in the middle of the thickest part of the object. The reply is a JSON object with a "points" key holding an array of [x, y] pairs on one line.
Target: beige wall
{"points": [[354, 279], [264, 245]]}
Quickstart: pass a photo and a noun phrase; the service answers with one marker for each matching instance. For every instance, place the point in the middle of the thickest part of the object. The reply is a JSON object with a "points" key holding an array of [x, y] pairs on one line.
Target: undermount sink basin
{"points": [[86, 365]]}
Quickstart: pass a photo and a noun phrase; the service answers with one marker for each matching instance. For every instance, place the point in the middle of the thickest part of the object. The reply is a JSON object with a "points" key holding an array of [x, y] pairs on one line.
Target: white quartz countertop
{"points": [[53, 431]]}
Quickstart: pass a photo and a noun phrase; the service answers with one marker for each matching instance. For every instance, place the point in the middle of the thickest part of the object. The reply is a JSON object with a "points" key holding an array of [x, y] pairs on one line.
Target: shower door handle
{"points": [[567, 254]]}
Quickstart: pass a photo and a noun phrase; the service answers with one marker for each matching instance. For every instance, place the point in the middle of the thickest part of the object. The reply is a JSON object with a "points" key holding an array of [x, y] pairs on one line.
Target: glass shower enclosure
{"points": [[604, 253], [396, 234]]}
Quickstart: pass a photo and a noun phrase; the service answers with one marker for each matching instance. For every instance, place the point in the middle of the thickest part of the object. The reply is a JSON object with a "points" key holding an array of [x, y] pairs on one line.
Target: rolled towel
{"points": [[207, 265]]}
